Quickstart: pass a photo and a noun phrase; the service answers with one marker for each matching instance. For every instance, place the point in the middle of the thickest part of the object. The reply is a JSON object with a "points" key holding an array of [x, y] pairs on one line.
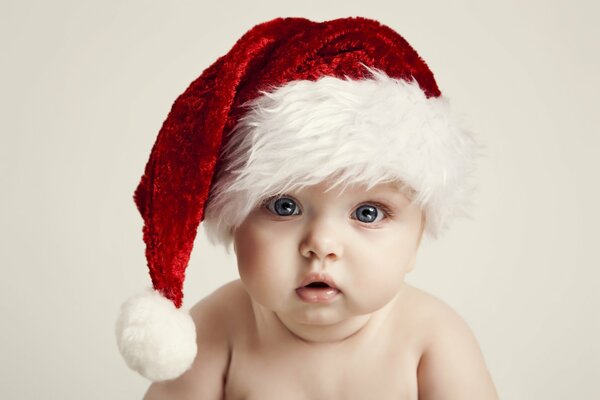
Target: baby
{"points": [[322, 152]]}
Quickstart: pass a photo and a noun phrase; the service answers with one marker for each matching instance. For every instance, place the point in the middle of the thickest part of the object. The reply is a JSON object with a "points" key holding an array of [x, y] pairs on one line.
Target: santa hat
{"points": [[293, 103]]}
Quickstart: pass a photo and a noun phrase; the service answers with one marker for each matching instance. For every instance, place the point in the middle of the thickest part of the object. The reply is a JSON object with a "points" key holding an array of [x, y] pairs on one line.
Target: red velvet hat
{"points": [[187, 159]]}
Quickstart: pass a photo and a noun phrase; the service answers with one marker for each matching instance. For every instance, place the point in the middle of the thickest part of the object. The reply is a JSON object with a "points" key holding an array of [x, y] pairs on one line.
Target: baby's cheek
{"points": [[379, 282], [262, 271], [252, 265]]}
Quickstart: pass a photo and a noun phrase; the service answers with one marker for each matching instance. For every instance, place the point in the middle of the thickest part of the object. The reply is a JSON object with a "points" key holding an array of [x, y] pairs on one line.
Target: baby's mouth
{"points": [[317, 285], [317, 291]]}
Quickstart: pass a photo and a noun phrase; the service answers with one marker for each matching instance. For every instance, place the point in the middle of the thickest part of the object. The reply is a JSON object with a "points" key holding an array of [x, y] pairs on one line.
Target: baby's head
{"points": [[295, 106], [364, 132]]}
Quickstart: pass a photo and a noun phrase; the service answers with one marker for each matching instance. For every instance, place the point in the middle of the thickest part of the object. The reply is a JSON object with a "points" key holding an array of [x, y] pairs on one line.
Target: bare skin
{"points": [[274, 335]]}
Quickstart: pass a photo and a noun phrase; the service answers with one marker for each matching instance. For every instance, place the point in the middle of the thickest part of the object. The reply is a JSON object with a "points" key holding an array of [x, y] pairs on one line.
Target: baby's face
{"points": [[319, 258]]}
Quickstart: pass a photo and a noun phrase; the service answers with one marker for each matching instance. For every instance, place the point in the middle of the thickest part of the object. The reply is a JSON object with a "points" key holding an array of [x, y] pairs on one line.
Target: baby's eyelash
{"points": [[267, 200], [386, 210]]}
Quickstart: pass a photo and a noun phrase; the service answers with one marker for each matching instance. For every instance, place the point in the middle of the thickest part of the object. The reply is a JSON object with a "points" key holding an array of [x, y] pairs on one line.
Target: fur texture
{"points": [[155, 338], [364, 131]]}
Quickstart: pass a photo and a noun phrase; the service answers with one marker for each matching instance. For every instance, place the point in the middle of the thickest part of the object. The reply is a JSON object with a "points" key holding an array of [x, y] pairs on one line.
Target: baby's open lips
{"points": [[318, 281], [317, 285], [318, 288]]}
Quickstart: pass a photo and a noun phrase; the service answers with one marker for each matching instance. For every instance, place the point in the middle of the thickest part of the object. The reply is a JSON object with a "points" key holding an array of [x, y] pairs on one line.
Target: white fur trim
{"points": [[155, 338], [366, 131]]}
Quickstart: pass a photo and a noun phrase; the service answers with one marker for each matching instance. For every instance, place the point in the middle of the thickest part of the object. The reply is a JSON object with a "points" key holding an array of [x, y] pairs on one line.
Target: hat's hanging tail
{"points": [[154, 335]]}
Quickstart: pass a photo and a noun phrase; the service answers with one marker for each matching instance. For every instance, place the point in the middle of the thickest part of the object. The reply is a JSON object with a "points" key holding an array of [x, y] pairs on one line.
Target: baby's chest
{"points": [[264, 374]]}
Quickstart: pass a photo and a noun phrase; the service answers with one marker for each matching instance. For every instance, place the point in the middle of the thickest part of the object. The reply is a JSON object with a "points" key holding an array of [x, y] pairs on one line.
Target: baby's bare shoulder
{"points": [[425, 309], [423, 312], [215, 318], [452, 365], [219, 315], [221, 306]]}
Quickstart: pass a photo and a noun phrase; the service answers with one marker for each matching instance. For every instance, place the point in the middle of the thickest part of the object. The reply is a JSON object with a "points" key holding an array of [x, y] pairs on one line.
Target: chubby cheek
{"points": [[262, 264], [383, 276]]}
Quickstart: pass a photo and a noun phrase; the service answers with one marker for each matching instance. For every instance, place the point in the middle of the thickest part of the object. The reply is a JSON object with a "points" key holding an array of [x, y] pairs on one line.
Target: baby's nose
{"points": [[321, 241]]}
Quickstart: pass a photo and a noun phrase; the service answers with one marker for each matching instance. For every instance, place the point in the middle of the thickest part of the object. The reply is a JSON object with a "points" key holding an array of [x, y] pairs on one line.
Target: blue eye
{"points": [[283, 206], [368, 214]]}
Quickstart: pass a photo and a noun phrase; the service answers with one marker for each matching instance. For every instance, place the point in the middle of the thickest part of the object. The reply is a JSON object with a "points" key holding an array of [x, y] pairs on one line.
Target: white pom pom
{"points": [[155, 338]]}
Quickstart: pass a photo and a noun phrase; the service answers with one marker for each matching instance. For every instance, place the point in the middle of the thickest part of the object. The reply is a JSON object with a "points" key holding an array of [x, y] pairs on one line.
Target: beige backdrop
{"points": [[86, 85]]}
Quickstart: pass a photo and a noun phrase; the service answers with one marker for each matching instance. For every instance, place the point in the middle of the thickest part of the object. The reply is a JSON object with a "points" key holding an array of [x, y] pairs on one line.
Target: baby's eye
{"points": [[368, 213], [282, 206]]}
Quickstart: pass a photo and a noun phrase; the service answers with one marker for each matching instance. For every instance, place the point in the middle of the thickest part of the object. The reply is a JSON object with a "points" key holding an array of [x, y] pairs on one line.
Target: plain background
{"points": [[85, 87]]}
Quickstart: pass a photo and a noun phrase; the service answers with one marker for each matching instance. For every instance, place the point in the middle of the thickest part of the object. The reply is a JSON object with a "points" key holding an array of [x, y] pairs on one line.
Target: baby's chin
{"points": [[322, 317]]}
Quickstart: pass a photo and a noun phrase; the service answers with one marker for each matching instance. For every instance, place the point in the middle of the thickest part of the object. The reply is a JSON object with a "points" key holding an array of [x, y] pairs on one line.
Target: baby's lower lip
{"points": [[317, 294]]}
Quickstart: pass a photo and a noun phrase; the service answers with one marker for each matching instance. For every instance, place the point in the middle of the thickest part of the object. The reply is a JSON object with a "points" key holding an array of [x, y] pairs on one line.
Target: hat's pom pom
{"points": [[155, 338]]}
